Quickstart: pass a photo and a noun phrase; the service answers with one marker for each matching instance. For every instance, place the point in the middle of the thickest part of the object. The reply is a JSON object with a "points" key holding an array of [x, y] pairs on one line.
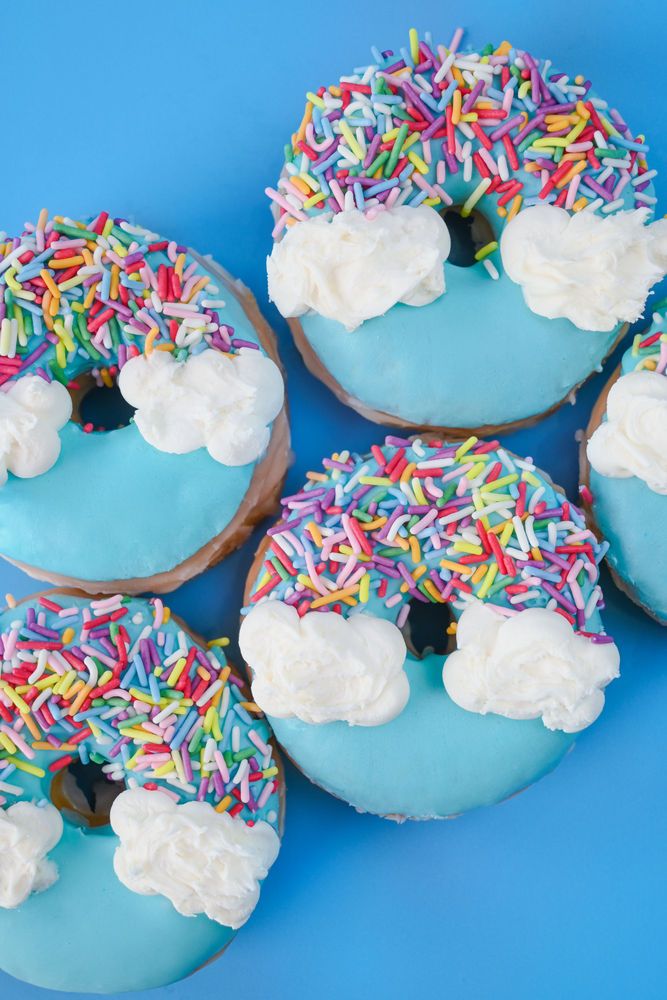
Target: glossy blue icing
{"points": [[70, 521], [630, 515], [477, 356], [434, 759], [88, 932]]}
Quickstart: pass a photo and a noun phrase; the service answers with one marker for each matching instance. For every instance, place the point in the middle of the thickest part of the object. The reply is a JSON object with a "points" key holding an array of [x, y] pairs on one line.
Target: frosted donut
{"points": [[112, 706], [441, 209], [202, 459], [423, 627], [624, 468]]}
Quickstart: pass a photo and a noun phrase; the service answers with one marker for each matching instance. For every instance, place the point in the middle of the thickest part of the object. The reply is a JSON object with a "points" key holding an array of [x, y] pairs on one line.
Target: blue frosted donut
{"points": [[105, 301], [486, 136], [423, 627], [624, 473], [112, 706]]}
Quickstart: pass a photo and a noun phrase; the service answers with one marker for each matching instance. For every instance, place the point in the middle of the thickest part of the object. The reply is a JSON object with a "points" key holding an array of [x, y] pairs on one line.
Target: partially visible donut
{"points": [[148, 505], [386, 566], [541, 186], [112, 708], [624, 468]]}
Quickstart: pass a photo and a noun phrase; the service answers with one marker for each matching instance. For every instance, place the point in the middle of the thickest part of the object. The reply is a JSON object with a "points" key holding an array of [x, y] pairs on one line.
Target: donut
{"points": [[423, 628], [518, 178], [138, 785], [106, 307], [624, 468]]}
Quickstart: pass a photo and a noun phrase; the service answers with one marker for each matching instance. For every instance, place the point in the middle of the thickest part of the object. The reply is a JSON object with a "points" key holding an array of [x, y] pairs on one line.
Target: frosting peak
{"points": [[210, 400], [632, 441], [202, 861], [594, 270], [356, 265], [27, 833], [528, 666], [323, 667], [32, 411]]}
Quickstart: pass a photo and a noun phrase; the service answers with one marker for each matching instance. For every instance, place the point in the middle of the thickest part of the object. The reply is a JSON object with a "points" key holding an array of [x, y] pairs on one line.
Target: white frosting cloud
{"points": [[200, 860], [594, 270], [529, 665], [353, 266], [323, 667], [210, 401], [32, 411], [632, 441], [27, 833]]}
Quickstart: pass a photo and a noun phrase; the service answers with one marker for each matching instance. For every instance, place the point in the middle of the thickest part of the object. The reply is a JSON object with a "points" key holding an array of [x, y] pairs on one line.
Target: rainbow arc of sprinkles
{"points": [[396, 131], [76, 295], [436, 523], [156, 710]]}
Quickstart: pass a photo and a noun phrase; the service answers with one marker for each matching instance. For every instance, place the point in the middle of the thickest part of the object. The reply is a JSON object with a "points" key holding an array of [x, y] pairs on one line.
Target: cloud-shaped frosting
{"points": [[27, 833], [595, 270], [200, 860], [32, 411], [210, 400], [632, 441], [529, 665], [353, 266], [323, 667]]}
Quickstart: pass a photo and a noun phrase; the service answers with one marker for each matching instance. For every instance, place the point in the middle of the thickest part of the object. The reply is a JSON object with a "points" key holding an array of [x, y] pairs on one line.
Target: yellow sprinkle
{"points": [[23, 708], [416, 160], [159, 772], [406, 475], [7, 743], [530, 478], [430, 587], [374, 481], [497, 483], [23, 765], [414, 45], [506, 533], [456, 107], [488, 580], [364, 588], [177, 671], [315, 200], [486, 250], [466, 446], [415, 550], [476, 195], [224, 804], [470, 547], [580, 203], [337, 595], [221, 641], [350, 138], [453, 566], [514, 209], [317, 101]]}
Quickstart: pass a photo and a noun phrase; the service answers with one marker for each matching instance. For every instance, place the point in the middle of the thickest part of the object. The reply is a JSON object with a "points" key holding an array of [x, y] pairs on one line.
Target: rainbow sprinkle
{"points": [[116, 681], [87, 296], [434, 523], [438, 126], [649, 350]]}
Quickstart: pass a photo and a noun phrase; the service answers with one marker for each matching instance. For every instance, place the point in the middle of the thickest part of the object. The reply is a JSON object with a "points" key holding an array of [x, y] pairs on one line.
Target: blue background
{"points": [[175, 114]]}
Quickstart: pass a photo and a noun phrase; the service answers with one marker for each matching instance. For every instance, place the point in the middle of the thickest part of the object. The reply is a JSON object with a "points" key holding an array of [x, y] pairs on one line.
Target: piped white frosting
{"points": [[27, 833], [632, 441], [528, 666], [324, 668], [595, 270], [356, 265], [202, 861], [32, 411], [210, 400]]}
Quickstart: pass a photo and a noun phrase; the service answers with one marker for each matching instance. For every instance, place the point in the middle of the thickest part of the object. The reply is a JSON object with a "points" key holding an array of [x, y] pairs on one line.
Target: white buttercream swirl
{"points": [[202, 861], [210, 400], [353, 266], [528, 666], [632, 441], [27, 833], [32, 411], [595, 270], [323, 667]]}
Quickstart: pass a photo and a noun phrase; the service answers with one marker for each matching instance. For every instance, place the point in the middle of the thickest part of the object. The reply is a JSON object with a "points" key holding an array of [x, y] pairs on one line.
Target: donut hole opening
{"points": [[97, 403], [84, 794], [427, 629], [468, 234]]}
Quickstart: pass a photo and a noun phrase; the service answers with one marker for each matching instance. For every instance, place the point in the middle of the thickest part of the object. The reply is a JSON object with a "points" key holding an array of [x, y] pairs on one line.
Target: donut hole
{"points": [[97, 403], [468, 235], [84, 794], [426, 629]]}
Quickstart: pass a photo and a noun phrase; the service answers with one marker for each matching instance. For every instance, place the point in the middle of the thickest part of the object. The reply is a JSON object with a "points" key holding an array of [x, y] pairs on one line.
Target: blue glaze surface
{"points": [[73, 520], [629, 514], [94, 934], [434, 759]]}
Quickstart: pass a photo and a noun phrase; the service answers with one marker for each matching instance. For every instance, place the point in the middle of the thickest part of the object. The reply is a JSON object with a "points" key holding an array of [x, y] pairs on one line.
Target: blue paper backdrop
{"points": [[176, 113]]}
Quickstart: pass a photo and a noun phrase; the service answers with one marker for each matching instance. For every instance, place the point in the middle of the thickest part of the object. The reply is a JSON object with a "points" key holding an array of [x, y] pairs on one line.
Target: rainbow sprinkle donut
{"points": [[441, 205], [423, 627], [624, 468], [104, 303], [138, 783]]}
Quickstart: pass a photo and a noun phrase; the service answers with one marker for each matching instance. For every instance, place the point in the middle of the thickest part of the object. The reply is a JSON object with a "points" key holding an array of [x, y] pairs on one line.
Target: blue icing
{"points": [[630, 514], [434, 759], [135, 942], [69, 520], [439, 364]]}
